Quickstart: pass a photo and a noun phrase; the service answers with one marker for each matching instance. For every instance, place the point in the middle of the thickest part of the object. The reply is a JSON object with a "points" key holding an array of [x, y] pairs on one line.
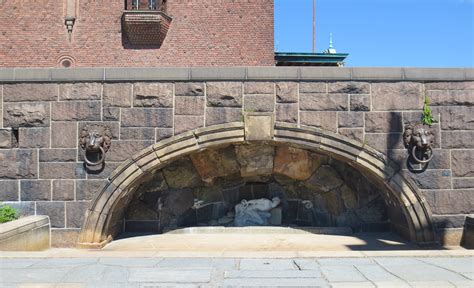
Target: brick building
{"points": [[91, 33]]}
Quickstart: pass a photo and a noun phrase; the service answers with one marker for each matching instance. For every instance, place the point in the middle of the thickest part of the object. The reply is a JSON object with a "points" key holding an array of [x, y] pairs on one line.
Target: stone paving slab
{"points": [[432, 272]]}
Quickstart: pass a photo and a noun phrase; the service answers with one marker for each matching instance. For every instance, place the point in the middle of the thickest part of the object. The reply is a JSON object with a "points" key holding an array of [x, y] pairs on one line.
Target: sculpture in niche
{"points": [[419, 139], [254, 212], [95, 140]]}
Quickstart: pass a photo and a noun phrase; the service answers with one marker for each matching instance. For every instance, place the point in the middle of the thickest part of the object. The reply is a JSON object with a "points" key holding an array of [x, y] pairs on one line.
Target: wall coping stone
{"points": [[13, 75], [22, 225]]}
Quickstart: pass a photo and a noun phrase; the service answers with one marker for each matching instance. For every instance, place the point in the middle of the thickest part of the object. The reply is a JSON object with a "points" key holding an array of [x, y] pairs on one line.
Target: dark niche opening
{"points": [[313, 191]]}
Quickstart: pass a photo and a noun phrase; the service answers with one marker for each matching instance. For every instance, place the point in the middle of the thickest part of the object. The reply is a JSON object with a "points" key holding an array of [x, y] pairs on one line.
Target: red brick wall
{"points": [[203, 33]]}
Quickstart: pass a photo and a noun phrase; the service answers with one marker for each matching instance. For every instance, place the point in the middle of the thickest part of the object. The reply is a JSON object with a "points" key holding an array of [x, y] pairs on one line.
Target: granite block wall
{"points": [[42, 169]]}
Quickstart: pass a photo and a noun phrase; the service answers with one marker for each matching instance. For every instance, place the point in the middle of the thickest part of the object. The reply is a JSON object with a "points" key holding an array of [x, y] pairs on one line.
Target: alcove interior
{"points": [[316, 191]]}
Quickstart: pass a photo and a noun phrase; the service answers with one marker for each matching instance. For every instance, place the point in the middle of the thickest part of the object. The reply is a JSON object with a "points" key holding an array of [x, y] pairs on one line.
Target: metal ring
{"points": [[413, 153], [101, 160]]}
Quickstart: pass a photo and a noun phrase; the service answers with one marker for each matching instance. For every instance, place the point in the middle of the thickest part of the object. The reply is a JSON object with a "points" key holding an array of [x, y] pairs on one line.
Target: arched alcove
{"points": [[409, 212]]}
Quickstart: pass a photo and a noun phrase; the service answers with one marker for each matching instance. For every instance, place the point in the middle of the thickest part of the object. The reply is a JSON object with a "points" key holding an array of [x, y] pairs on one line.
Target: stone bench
{"points": [[26, 234]]}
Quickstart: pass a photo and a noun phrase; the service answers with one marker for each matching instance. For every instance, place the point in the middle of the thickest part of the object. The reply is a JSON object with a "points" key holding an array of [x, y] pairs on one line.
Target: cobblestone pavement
{"points": [[456, 271]]}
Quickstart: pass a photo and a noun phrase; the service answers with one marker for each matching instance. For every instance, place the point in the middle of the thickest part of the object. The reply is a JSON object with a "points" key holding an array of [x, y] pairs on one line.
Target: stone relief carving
{"points": [[254, 212], [95, 139], [419, 139]]}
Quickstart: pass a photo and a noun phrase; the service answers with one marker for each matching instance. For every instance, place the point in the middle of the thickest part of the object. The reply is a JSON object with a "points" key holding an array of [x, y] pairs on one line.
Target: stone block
{"points": [[57, 155], [59, 170], [18, 164], [457, 139], [259, 126], [324, 179], [218, 115], [224, 73], [259, 88], [6, 137], [139, 133], [182, 174], [457, 118], [158, 95], [350, 119], [441, 158], [450, 201], [224, 94], [30, 92], [349, 87], [87, 189], [449, 221], [313, 87], [323, 120], [377, 73], [294, 163], [286, 112], [272, 73], [147, 117], [117, 95], [259, 103], [463, 183], [123, 149], [147, 74], [324, 102], [384, 141], [189, 105], [26, 234], [187, 123], [9, 190], [468, 85], [80, 91], [378, 122], [34, 137], [287, 92], [98, 173], [462, 162], [189, 89], [110, 114], [211, 164], [255, 160], [76, 111], [451, 97], [23, 208], [360, 102], [64, 135], [63, 190], [432, 179], [55, 211], [352, 133], [75, 212], [64, 238], [397, 96], [163, 133], [26, 115], [35, 190]]}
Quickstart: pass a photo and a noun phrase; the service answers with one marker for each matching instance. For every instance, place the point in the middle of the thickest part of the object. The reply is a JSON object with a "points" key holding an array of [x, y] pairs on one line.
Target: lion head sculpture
{"points": [[419, 139], [94, 138], [419, 135]]}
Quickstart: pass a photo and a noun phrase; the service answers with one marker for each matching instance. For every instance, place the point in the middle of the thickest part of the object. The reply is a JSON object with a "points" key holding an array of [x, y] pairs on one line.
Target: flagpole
{"points": [[314, 26]]}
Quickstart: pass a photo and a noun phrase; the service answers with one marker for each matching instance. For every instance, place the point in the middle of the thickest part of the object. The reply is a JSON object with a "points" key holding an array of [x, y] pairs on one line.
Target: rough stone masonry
{"points": [[44, 110]]}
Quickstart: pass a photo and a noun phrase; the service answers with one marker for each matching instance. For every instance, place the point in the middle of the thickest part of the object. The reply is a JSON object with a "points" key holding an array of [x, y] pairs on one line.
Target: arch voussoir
{"points": [[95, 231]]}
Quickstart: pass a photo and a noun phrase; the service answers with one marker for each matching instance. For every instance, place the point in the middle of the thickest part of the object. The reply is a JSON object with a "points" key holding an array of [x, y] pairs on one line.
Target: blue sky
{"points": [[421, 33]]}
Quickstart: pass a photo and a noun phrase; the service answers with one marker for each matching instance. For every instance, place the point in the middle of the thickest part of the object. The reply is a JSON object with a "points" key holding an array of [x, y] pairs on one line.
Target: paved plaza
{"points": [[446, 271]]}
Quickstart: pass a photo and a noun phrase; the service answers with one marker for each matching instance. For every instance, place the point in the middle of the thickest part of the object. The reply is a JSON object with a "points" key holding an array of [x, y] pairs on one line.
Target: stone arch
{"points": [[101, 217]]}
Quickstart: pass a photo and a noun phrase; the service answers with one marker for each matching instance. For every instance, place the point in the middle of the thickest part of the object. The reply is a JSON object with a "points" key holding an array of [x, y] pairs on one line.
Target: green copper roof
{"points": [[309, 59]]}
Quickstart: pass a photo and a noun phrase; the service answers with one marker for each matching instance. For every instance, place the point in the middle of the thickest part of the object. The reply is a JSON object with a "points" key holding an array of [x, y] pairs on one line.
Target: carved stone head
{"points": [[419, 135], [93, 137]]}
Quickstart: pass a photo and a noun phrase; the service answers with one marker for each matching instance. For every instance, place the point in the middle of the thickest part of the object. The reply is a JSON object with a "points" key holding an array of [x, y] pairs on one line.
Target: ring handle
{"points": [[413, 153], [101, 160]]}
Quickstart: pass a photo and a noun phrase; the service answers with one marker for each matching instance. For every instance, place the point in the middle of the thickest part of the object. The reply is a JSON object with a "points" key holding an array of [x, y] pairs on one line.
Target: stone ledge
{"points": [[26, 234], [12, 75]]}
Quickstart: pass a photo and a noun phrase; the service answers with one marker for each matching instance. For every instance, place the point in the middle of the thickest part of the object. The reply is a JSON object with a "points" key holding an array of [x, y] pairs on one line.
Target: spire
{"points": [[331, 49]]}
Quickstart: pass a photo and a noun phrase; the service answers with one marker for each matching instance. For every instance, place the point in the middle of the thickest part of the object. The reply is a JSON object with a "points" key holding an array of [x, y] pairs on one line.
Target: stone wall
{"points": [[43, 112]]}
